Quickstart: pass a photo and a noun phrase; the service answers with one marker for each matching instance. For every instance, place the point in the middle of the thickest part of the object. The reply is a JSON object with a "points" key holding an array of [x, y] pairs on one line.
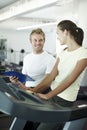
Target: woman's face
{"points": [[37, 42], [61, 36]]}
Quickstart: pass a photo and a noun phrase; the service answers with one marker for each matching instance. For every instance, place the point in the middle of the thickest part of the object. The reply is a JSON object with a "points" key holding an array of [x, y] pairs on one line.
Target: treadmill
{"points": [[24, 106]]}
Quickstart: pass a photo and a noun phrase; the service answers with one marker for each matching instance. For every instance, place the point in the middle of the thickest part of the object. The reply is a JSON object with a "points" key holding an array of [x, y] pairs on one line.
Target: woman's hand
{"points": [[13, 79], [42, 96]]}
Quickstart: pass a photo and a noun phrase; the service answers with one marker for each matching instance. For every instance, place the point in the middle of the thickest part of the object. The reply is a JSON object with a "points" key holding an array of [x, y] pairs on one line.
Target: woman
{"points": [[66, 75]]}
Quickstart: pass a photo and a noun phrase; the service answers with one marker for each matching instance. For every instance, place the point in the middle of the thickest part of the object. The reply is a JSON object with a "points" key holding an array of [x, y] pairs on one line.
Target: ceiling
{"points": [[44, 15], [4, 3]]}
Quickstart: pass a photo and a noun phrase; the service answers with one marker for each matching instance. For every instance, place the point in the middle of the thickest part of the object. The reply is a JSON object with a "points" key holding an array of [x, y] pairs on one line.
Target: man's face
{"points": [[37, 42]]}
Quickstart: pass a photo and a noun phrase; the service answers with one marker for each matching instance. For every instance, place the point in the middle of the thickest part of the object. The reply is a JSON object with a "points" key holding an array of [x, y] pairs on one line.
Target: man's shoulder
{"points": [[49, 56], [27, 55]]}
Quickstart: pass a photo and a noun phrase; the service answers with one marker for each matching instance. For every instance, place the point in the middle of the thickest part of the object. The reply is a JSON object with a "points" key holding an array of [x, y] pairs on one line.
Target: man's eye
{"points": [[35, 40], [41, 40]]}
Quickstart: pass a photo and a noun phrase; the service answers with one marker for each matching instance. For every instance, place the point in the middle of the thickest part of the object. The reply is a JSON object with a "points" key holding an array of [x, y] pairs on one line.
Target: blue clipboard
{"points": [[21, 77]]}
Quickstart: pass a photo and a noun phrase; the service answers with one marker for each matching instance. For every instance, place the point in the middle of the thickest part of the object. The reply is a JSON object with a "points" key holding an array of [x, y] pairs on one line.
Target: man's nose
{"points": [[38, 42]]}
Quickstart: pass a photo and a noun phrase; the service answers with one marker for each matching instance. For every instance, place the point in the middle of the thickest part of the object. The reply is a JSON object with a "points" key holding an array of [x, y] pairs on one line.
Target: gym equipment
{"points": [[26, 106]]}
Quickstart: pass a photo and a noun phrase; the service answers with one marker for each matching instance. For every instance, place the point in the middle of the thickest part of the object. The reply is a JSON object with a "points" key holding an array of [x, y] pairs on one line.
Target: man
{"points": [[37, 64]]}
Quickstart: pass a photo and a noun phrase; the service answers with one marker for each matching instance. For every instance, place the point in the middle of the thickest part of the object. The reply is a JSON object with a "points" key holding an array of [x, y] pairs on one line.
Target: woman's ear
{"points": [[66, 32]]}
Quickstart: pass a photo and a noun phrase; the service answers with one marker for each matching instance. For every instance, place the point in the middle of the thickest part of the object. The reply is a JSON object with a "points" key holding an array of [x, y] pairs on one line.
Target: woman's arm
{"points": [[80, 66], [45, 83]]}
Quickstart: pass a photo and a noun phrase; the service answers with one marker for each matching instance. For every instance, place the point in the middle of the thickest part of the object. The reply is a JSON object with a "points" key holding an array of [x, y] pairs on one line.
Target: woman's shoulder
{"points": [[82, 53], [84, 50]]}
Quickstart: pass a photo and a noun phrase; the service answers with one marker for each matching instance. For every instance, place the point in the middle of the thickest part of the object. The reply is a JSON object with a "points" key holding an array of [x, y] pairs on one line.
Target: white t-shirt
{"points": [[66, 65], [37, 66]]}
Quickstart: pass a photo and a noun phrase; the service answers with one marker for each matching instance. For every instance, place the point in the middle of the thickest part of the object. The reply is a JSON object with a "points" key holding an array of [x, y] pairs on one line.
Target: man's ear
{"points": [[30, 40]]}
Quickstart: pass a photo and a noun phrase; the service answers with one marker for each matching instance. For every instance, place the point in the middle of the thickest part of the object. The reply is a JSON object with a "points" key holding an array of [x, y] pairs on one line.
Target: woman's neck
{"points": [[72, 45]]}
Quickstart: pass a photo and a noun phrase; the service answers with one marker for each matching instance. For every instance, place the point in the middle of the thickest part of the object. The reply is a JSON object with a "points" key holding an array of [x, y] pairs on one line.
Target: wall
{"points": [[18, 40], [83, 19]]}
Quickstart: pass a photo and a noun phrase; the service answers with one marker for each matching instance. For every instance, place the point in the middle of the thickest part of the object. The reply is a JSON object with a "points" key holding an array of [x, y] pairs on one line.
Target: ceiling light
{"points": [[63, 2], [37, 25]]}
